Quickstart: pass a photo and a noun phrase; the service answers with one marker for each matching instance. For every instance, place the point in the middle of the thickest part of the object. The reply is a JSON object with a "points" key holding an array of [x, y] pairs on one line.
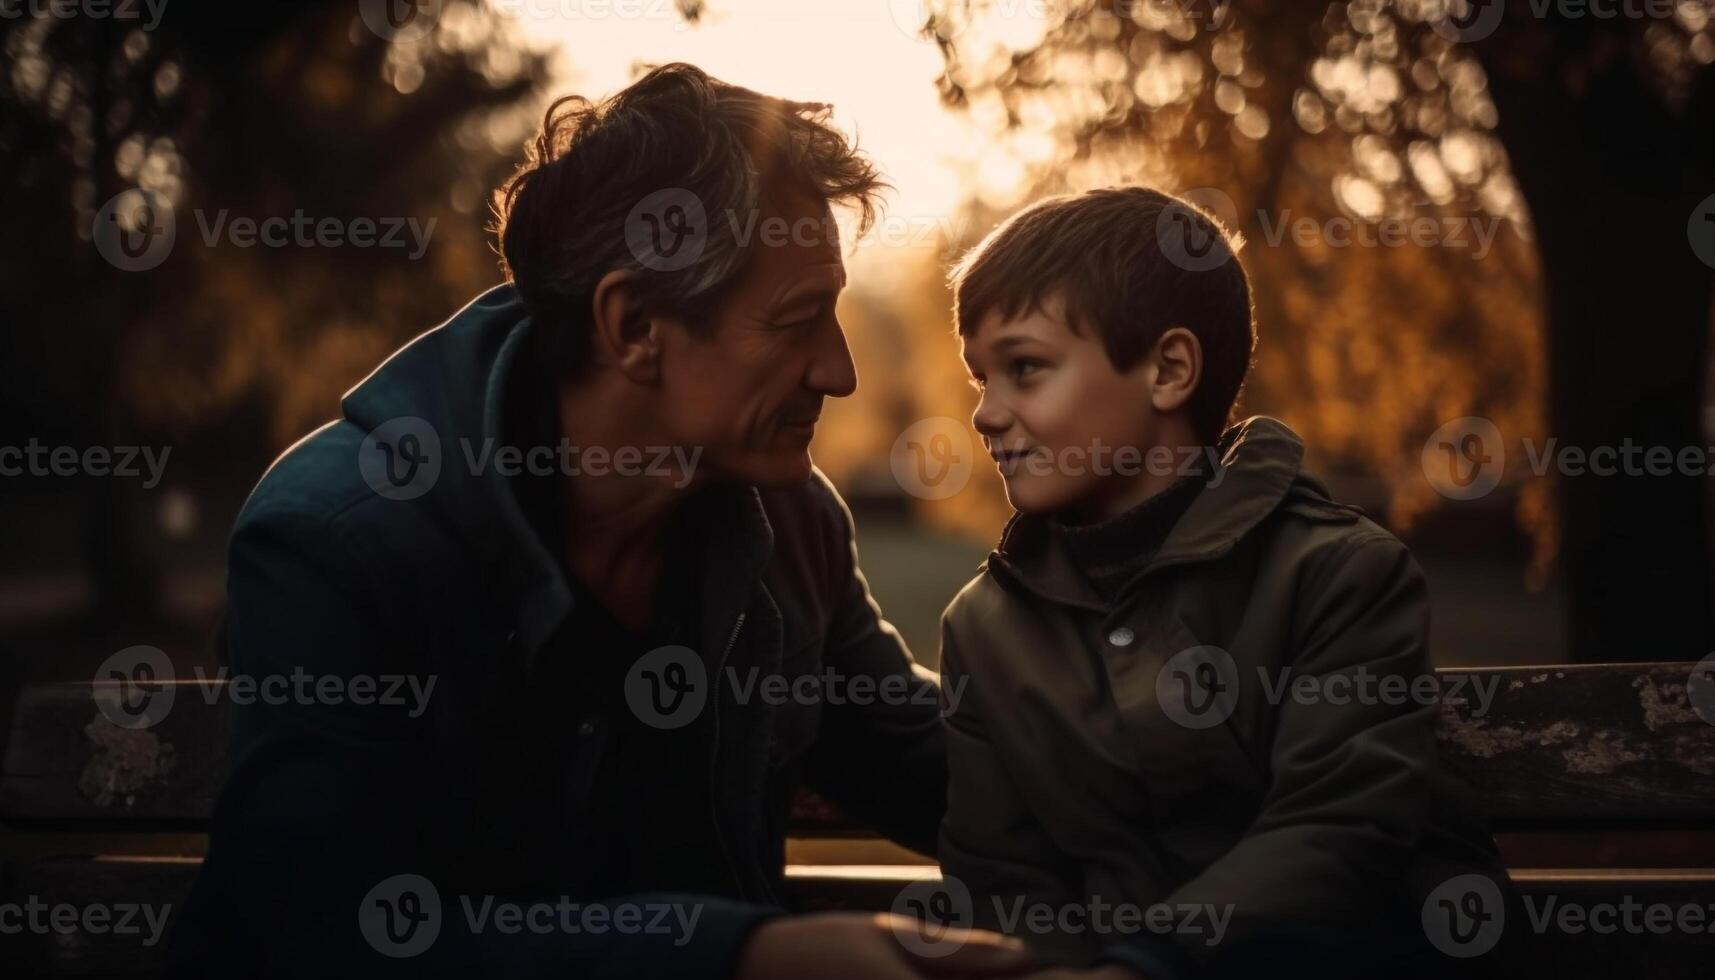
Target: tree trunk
{"points": [[1611, 176]]}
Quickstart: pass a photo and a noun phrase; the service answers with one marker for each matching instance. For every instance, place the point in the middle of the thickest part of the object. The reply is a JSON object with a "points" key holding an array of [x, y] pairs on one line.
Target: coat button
{"points": [[1122, 636], [586, 729]]}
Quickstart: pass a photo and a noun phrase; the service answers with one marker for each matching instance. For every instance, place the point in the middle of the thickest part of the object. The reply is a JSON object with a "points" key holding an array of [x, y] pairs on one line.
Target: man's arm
{"points": [[884, 763]]}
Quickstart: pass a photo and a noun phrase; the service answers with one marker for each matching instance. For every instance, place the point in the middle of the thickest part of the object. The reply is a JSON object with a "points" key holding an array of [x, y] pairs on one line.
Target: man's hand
{"points": [[865, 946]]}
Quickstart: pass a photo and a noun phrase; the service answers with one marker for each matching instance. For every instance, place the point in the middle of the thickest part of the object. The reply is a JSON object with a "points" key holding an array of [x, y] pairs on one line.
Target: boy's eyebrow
{"points": [[1006, 342]]}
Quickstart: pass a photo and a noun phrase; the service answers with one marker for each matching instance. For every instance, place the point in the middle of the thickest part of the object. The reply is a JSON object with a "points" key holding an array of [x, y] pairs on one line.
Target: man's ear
{"points": [[1178, 367], [624, 335]]}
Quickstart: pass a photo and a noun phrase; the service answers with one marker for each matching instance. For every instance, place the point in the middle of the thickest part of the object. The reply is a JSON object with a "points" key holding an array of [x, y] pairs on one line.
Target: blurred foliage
{"points": [[228, 353], [1274, 112], [303, 108]]}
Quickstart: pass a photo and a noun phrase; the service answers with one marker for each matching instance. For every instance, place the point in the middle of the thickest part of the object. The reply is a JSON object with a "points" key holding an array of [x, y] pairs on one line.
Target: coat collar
{"points": [[1260, 465], [459, 380]]}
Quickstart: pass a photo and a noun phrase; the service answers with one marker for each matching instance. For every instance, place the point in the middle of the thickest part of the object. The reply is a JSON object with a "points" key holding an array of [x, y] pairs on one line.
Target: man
{"points": [[580, 520]]}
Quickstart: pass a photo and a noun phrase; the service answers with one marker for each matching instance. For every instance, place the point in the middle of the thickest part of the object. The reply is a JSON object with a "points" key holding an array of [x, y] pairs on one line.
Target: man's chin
{"points": [[779, 470]]}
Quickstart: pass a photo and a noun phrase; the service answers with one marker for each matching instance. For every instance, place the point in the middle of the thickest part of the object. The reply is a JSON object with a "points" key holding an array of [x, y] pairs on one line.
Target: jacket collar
{"points": [[1260, 465], [457, 380]]}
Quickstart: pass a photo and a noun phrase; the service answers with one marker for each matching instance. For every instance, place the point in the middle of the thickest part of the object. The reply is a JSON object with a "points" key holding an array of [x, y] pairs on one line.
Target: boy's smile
{"points": [[1055, 415]]}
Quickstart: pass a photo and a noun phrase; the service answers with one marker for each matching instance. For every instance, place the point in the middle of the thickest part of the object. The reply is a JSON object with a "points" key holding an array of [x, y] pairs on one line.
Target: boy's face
{"points": [[1053, 412]]}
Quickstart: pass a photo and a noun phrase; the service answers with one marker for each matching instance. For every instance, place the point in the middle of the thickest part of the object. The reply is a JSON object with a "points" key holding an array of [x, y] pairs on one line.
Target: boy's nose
{"points": [[991, 420]]}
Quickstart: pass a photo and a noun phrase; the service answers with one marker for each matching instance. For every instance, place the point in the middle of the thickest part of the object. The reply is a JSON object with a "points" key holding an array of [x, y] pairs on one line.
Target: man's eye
{"points": [[978, 383], [1024, 367], [806, 321]]}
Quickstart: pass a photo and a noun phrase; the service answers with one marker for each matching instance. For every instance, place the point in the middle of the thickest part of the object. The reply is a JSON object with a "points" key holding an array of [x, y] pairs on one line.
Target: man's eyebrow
{"points": [[810, 291]]}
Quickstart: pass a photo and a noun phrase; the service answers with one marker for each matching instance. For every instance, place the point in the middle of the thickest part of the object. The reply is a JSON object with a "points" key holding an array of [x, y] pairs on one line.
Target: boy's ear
{"points": [[1178, 361], [624, 335]]}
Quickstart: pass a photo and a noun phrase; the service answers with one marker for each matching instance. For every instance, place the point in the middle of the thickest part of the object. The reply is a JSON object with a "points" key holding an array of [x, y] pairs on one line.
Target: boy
{"points": [[1164, 762]]}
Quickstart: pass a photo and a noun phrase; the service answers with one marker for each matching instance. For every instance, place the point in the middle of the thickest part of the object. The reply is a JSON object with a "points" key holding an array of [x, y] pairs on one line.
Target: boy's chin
{"points": [[1034, 495]]}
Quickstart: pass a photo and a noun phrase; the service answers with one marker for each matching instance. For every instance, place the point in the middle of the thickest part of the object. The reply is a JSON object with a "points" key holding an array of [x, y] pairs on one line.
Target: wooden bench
{"points": [[1599, 781]]}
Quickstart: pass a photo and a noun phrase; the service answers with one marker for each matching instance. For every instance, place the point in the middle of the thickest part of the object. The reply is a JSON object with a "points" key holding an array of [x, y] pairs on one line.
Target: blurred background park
{"points": [[1497, 211]]}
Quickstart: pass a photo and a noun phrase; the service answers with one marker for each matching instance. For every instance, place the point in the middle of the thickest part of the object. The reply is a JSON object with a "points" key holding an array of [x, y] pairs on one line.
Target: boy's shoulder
{"points": [[1309, 537]]}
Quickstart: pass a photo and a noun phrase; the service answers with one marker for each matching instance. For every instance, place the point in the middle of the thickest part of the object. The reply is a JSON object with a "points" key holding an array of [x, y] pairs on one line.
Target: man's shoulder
{"points": [[316, 493]]}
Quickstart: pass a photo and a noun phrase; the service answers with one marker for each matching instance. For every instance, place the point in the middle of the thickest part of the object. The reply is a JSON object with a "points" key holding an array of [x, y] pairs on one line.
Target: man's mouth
{"points": [[801, 423]]}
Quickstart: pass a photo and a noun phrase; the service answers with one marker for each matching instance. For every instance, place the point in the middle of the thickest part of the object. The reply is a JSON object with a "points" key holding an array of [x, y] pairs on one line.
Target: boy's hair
{"points": [[561, 220], [1111, 256]]}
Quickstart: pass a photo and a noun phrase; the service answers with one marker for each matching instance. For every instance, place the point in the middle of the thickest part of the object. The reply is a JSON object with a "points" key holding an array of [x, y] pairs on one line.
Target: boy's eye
{"points": [[977, 382], [1024, 366]]}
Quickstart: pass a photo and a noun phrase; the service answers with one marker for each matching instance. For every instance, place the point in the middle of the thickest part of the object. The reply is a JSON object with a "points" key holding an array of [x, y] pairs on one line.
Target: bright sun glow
{"points": [[860, 55]]}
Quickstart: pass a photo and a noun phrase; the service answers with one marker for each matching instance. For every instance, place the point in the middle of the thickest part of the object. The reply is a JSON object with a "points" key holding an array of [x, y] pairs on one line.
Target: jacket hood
{"points": [[1260, 471], [444, 396], [446, 390]]}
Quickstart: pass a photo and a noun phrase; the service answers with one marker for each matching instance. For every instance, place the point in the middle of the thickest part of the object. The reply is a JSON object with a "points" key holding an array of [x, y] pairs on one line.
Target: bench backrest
{"points": [[1611, 745]]}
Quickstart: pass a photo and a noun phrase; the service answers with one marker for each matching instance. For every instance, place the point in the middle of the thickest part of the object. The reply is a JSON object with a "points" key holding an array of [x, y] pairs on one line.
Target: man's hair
{"points": [[1111, 256], [561, 220]]}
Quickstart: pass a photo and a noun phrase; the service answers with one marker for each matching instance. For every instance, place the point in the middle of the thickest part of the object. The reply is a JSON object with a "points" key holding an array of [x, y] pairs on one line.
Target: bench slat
{"points": [[1611, 744], [1584, 743]]}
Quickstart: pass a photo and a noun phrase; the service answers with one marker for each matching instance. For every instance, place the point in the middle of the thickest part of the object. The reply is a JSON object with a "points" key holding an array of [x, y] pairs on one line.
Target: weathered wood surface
{"points": [[1607, 744], [1588, 743], [66, 762]]}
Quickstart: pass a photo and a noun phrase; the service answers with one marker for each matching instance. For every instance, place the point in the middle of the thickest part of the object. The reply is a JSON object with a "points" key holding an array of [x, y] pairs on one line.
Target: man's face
{"points": [[1049, 398], [750, 389]]}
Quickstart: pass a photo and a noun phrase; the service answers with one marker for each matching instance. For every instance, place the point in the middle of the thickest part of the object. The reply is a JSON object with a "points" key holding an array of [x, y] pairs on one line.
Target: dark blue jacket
{"points": [[336, 573]]}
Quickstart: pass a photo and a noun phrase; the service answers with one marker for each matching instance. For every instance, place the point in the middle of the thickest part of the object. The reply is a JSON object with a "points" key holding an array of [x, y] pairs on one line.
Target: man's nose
{"points": [[833, 372]]}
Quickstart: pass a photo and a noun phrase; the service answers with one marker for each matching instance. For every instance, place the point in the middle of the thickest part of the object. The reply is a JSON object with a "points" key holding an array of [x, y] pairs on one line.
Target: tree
{"points": [[1584, 141], [212, 115]]}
